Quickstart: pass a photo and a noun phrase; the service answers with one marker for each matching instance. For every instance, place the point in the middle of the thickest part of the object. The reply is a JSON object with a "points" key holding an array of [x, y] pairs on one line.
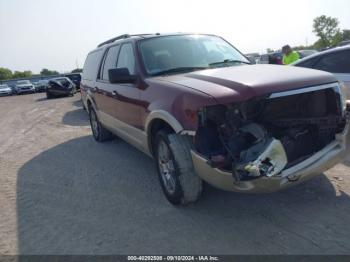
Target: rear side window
{"points": [[338, 62], [110, 61], [126, 58], [309, 63], [91, 65]]}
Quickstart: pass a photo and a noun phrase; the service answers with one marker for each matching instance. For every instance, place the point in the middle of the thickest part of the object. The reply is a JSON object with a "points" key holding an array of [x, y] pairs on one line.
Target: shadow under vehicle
{"points": [[101, 204]]}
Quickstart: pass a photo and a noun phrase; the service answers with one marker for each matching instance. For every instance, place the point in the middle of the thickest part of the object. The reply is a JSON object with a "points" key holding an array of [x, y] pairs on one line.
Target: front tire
{"points": [[179, 182], [99, 132]]}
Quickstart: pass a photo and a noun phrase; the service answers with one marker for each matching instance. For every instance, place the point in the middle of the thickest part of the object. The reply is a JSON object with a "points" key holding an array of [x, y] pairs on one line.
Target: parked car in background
{"points": [[75, 78], [41, 85], [335, 60], [276, 57], [344, 43], [24, 86], [197, 105], [12, 85], [307, 52], [5, 90], [60, 86], [271, 58]]}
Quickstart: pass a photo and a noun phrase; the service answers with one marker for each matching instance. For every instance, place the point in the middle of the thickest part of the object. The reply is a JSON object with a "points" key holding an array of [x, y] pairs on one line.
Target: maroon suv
{"points": [[196, 104]]}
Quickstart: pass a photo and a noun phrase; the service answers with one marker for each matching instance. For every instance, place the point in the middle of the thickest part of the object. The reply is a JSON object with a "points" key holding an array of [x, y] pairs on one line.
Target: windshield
{"points": [[187, 51], [3, 86], [23, 82]]}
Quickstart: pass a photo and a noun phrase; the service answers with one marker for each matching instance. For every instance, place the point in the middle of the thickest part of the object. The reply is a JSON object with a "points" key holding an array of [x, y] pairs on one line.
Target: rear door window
{"points": [[126, 58], [91, 65], [110, 61], [337, 62], [309, 63]]}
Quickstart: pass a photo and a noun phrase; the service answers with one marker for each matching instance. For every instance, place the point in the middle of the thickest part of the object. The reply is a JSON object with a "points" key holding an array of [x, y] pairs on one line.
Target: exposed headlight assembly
{"points": [[344, 94]]}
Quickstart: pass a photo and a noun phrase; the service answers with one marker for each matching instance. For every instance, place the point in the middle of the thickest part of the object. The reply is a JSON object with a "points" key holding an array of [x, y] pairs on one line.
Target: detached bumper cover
{"points": [[324, 159]]}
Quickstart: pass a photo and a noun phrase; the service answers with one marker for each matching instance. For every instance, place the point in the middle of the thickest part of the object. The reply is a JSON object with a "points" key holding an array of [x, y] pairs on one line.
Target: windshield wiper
{"points": [[179, 70], [228, 61]]}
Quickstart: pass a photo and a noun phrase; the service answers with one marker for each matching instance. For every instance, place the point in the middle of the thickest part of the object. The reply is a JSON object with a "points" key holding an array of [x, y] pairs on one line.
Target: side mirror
{"points": [[120, 75]]}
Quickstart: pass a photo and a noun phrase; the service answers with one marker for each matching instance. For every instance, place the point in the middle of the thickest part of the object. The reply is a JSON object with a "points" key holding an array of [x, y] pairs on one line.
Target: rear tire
{"points": [[99, 132], [179, 182]]}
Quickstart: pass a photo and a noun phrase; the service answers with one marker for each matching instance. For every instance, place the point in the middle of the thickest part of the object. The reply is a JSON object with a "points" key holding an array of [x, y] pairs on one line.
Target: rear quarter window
{"points": [[91, 65], [337, 62], [308, 63]]}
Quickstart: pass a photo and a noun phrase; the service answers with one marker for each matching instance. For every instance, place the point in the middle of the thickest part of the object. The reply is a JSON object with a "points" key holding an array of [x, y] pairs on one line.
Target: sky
{"points": [[57, 35]]}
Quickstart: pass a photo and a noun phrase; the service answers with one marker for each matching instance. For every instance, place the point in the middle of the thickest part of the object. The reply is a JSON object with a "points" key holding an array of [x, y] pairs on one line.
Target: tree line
{"points": [[6, 74], [326, 29], [328, 32]]}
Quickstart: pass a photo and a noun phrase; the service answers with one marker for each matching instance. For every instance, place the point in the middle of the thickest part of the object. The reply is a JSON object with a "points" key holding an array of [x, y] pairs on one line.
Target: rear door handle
{"points": [[115, 93]]}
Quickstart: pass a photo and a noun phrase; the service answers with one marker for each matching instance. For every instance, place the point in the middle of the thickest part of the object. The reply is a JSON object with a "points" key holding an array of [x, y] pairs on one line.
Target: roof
{"points": [[124, 36], [140, 36]]}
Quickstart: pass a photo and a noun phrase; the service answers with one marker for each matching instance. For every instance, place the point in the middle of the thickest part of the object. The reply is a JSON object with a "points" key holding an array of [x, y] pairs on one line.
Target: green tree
{"points": [[77, 70], [47, 72], [5, 73], [24, 74], [326, 28]]}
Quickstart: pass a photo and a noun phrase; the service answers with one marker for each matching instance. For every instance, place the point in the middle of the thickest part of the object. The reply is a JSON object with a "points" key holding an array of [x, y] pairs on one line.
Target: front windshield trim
{"points": [[143, 65]]}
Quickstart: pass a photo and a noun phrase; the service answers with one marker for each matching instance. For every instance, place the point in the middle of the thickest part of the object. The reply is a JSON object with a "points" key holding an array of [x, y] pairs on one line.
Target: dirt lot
{"points": [[63, 193]]}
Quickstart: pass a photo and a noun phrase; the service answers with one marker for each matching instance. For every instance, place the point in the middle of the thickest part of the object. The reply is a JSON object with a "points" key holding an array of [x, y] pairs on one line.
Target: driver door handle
{"points": [[115, 93]]}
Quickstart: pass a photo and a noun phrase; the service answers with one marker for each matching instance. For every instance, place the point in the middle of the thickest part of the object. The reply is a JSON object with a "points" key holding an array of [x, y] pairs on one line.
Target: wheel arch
{"points": [[90, 103], [158, 120]]}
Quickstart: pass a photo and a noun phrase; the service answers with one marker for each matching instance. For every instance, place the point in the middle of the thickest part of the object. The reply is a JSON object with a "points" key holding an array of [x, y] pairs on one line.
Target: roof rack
{"points": [[121, 37], [114, 39]]}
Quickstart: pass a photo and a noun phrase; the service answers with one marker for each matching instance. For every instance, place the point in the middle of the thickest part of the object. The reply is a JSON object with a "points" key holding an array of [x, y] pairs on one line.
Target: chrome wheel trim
{"points": [[166, 167]]}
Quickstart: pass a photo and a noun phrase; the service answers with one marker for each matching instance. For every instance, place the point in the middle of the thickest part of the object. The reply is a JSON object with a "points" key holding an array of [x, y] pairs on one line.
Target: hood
{"points": [[240, 83]]}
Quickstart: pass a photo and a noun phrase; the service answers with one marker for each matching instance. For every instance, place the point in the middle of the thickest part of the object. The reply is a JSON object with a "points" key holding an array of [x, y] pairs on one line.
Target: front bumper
{"points": [[6, 93], [20, 91], [59, 92], [324, 159]]}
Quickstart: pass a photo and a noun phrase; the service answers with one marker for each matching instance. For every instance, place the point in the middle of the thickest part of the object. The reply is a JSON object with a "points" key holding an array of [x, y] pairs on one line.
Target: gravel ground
{"points": [[63, 193]]}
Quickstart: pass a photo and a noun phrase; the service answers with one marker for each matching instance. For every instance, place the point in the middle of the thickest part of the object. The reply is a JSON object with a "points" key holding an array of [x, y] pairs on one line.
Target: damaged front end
{"points": [[267, 143]]}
